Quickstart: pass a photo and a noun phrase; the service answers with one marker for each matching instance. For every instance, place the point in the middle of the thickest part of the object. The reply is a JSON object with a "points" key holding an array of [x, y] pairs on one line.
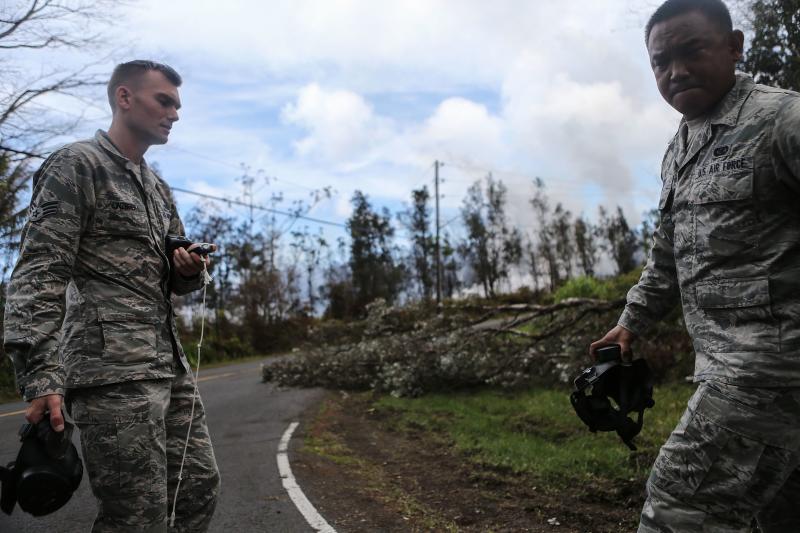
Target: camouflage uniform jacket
{"points": [[89, 298], [728, 242]]}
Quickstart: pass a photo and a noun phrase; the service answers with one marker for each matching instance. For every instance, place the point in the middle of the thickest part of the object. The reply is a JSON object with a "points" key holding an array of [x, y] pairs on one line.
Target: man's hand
{"points": [[618, 335], [189, 264], [38, 406]]}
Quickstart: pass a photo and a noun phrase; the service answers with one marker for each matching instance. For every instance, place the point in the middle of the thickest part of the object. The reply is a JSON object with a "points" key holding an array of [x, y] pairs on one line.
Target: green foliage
{"points": [[215, 349], [235, 343], [8, 388], [536, 432], [582, 287], [774, 54], [374, 271], [604, 289], [341, 299]]}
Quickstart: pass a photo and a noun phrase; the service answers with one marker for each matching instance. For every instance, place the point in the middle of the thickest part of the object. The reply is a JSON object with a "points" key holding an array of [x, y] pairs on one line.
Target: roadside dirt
{"points": [[363, 475]]}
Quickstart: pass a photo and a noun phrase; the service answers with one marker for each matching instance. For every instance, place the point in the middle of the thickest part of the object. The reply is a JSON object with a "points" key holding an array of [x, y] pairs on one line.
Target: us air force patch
{"points": [[46, 209]]}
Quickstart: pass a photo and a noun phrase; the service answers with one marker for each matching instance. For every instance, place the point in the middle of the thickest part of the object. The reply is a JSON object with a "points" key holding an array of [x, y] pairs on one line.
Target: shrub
{"points": [[582, 287], [604, 289]]}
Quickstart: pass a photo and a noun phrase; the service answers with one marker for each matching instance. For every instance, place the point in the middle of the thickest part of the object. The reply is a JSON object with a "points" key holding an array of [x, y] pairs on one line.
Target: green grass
{"points": [[536, 432]]}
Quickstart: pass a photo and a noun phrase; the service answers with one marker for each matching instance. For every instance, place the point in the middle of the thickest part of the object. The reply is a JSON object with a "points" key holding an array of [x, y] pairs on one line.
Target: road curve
{"points": [[246, 419]]}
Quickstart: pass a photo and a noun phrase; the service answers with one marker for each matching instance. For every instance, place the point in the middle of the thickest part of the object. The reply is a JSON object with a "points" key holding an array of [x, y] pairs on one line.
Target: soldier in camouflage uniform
{"points": [[89, 314], [728, 248]]}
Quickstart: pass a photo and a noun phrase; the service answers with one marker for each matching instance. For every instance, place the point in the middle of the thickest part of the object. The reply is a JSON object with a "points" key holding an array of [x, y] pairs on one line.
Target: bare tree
{"points": [[30, 31], [586, 245], [619, 240], [491, 247], [532, 255], [417, 220], [310, 249], [545, 248], [450, 267], [561, 229]]}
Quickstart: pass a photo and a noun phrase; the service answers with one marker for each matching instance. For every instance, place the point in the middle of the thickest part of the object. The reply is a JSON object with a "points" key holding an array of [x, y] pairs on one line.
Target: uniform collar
{"points": [[107, 144], [727, 111]]}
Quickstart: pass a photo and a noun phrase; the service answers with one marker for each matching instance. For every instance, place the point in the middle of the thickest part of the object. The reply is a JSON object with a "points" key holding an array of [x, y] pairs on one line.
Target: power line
{"points": [[422, 178], [230, 165], [71, 114], [258, 207], [449, 221]]}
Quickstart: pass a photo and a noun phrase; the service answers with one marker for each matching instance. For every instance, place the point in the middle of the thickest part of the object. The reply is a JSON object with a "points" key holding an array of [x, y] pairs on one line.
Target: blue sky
{"points": [[356, 94]]}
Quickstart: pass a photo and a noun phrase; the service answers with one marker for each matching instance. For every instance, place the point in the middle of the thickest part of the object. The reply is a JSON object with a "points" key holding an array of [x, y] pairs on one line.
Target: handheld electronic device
{"points": [[173, 242]]}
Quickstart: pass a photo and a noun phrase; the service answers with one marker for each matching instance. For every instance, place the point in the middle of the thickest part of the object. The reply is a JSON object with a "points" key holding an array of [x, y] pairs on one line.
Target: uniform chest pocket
{"points": [[723, 188], [726, 220], [121, 218]]}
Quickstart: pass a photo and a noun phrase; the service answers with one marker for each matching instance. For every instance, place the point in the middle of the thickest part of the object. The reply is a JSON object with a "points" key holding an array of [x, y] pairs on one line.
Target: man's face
{"points": [[694, 61], [153, 106]]}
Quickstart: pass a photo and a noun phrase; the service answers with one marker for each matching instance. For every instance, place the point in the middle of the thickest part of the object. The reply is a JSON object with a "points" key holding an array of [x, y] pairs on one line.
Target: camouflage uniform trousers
{"points": [[132, 438], [733, 456]]}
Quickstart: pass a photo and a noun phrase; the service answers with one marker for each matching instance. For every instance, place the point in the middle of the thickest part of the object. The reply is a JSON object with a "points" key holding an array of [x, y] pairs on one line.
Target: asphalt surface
{"points": [[246, 419]]}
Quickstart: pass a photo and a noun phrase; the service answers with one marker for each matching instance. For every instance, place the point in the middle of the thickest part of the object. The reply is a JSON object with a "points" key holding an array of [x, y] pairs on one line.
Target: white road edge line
{"points": [[308, 511]]}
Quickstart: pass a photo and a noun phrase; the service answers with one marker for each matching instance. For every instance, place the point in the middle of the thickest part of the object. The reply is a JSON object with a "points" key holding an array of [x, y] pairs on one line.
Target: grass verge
{"points": [[537, 434]]}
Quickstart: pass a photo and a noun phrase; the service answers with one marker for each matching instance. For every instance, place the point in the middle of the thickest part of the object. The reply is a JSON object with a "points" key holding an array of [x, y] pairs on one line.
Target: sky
{"points": [[365, 94]]}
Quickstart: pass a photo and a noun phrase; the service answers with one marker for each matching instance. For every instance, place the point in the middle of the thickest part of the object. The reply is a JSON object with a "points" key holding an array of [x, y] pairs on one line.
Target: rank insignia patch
{"points": [[46, 209]]}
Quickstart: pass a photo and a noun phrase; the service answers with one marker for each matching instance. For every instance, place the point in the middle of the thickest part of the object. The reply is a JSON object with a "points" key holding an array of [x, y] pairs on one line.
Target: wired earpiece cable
{"points": [[206, 281]]}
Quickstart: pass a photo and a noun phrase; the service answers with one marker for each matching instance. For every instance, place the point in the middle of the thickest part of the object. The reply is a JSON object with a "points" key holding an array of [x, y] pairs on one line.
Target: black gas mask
{"points": [[630, 385], [46, 473]]}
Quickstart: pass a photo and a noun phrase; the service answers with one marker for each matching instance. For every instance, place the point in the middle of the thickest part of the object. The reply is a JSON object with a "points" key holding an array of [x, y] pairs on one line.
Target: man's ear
{"points": [[122, 97], [736, 43]]}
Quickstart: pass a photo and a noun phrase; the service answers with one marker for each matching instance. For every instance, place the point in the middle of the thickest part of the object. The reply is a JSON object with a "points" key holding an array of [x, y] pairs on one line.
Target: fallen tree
{"points": [[410, 351]]}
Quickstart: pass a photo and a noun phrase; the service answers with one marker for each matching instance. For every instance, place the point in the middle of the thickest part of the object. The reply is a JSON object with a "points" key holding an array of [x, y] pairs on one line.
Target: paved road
{"points": [[246, 419]]}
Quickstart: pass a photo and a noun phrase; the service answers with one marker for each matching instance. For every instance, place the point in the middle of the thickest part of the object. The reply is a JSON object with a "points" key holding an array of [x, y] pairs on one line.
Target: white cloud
{"points": [[465, 130], [341, 124], [368, 45], [364, 94]]}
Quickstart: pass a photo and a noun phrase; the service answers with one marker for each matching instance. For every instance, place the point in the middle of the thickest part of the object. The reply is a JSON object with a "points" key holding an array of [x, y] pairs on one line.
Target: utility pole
{"points": [[247, 186], [436, 165]]}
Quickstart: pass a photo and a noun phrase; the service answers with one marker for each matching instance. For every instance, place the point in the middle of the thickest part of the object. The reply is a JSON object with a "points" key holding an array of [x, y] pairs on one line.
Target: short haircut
{"points": [[715, 10], [127, 72]]}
